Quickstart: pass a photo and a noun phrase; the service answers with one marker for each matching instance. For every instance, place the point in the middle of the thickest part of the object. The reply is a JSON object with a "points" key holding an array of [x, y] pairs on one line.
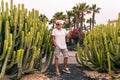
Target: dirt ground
{"points": [[77, 73]]}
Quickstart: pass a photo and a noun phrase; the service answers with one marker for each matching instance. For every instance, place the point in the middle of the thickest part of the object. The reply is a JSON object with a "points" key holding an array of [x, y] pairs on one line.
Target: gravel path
{"points": [[77, 72]]}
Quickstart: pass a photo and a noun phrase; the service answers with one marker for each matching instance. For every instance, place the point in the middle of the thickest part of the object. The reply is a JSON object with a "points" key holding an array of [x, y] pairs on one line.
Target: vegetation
{"points": [[76, 16], [25, 41], [102, 49]]}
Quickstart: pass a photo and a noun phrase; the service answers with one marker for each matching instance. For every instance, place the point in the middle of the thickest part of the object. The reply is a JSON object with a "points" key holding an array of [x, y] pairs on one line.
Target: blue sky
{"points": [[109, 8]]}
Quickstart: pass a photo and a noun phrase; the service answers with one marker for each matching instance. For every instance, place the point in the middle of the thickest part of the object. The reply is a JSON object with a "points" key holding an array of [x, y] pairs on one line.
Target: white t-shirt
{"points": [[60, 38]]}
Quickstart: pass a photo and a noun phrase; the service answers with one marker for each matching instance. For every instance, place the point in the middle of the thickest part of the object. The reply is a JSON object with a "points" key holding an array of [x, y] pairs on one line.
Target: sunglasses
{"points": [[58, 24]]}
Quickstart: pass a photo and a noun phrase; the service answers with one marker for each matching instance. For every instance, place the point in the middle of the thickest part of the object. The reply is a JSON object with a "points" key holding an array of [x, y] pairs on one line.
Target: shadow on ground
{"points": [[76, 73]]}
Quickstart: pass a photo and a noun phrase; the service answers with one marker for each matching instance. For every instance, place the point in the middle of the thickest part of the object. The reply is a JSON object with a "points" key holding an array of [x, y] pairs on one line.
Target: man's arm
{"points": [[53, 39], [68, 35]]}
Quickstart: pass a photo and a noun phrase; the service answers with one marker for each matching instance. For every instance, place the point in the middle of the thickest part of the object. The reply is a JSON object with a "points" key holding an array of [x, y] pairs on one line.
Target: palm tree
{"points": [[81, 9], [94, 10], [52, 21], [59, 15], [90, 22], [69, 15], [43, 18], [76, 16], [56, 16]]}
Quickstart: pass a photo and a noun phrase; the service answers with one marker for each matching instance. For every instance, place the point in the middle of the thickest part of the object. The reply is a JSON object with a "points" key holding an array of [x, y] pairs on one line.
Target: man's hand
{"points": [[69, 33], [54, 42]]}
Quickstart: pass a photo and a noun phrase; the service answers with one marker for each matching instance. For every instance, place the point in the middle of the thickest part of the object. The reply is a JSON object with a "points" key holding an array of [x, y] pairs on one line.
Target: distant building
{"points": [[114, 21]]}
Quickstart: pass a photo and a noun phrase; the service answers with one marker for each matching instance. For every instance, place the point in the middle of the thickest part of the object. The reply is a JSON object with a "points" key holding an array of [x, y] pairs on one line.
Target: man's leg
{"points": [[65, 54], [56, 64], [57, 53], [65, 62]]}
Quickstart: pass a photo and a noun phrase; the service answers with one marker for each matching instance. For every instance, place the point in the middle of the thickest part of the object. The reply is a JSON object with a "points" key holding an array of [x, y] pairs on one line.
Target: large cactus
{"points": [[25, 42], [101, 49]]}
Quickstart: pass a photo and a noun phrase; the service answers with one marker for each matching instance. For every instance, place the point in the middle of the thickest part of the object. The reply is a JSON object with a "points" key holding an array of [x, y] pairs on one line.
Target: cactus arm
{"points": [[4, 50], [5, 64], [33, 58], [19, 64], [48, 60], [12, 61]]}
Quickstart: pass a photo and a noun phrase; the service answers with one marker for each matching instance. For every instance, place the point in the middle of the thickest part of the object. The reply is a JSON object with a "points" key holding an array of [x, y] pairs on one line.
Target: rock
{"points": [[6, 78]]}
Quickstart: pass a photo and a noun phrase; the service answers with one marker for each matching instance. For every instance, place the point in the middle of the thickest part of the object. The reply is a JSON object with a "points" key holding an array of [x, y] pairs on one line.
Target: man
{"points": [[59, 39]]}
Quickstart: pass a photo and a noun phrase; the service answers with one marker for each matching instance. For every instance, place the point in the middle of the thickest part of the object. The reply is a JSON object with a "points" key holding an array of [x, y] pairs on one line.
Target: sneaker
{"points": [[58, 73], [66, 70]]}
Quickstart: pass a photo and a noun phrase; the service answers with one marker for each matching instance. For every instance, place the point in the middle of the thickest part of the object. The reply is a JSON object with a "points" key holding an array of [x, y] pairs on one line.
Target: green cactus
{"points": [[5, 64], [102, 49], [24, 41]]}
